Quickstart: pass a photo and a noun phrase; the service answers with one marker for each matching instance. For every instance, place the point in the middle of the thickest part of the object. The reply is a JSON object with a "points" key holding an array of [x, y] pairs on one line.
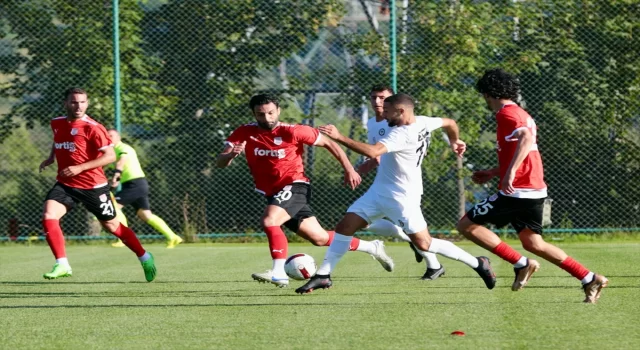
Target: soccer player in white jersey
{"points": [[377, 128], [397, 189]]}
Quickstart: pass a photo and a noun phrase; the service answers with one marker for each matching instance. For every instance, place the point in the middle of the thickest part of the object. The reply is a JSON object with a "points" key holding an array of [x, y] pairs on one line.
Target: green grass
{"points": [[204, 298]]}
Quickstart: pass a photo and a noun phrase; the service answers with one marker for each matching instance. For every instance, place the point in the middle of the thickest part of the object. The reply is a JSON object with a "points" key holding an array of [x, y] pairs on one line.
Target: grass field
{"points": [[204, 298]]}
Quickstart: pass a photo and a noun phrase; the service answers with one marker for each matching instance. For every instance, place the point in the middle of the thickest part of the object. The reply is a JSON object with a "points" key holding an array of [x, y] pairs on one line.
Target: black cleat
{"points": [[432, 274], [419, 257], [486, 272], [316, 282]]}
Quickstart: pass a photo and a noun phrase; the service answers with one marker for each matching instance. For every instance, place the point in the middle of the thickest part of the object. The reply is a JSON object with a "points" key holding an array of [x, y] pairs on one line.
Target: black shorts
{"points": [[501, 210], [96, 200], [135, 193], [295, 200]]}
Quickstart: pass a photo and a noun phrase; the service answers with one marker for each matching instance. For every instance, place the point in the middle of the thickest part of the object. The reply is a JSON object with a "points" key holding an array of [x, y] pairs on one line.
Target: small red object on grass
{"points": [[458, 333]]}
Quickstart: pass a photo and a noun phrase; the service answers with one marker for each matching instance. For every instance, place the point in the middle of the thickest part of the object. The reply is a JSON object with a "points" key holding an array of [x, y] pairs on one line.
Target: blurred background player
{"points": [[274, 156], [396, 192], [521, 192], [377, 127], [81, 147], [135, 190]]}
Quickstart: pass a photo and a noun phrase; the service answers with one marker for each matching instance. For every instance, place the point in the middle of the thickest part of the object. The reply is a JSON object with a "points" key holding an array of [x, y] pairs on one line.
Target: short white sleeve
{"points": [[396, 140], [433, 123], [370, 130]]}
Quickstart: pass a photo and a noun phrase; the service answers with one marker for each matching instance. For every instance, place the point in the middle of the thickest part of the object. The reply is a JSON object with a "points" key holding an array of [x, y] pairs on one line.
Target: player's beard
{"points": [[268, 125]]}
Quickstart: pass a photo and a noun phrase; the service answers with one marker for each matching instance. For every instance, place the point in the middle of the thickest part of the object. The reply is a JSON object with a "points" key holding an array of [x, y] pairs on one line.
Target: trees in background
{"points": [[188, 68]]}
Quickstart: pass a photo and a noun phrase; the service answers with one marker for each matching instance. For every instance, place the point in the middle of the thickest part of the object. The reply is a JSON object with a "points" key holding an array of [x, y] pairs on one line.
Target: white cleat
{"points": [[267, 277], [382, 257]]}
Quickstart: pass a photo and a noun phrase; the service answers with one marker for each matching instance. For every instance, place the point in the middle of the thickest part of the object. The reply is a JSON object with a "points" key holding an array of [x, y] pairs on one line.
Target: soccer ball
{"points": [[300, 266]]}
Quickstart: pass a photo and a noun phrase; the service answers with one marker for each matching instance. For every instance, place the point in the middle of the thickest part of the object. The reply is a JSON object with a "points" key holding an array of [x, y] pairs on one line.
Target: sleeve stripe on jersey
{"points": [[317, 139], [105, 147], [56, 118], [510, 138]]}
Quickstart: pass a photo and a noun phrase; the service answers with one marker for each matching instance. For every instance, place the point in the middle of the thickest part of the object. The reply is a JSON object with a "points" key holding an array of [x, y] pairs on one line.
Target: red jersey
{"points": [[78, 142], [275, 156], [529, 179]]}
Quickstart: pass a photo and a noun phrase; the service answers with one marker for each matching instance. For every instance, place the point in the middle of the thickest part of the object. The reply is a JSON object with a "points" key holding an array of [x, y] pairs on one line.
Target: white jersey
{"points": [[400, 173], [376, 130]]}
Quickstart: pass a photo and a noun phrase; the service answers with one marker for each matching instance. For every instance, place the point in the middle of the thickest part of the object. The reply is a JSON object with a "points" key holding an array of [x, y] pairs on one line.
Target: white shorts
{"points": [[404, 212]]}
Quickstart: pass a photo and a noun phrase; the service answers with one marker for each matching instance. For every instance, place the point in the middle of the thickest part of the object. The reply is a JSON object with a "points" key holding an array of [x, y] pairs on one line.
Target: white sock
{"points": [[338, 247], [144, 257], [432, 260], [521, 263], [366, 247], [278, 269], [63, 262], [588, 278], [452, 251], [384, 227]]}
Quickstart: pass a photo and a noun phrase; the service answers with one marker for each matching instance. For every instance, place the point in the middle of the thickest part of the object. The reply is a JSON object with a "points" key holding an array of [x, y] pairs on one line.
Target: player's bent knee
{"points": [[111, 225]]}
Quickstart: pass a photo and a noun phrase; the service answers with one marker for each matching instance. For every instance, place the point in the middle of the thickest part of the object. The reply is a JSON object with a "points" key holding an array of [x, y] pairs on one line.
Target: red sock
{"points": [[54, 236], [574, 268], [355, 242], [128, 237], [278, 243], [507, 253]]}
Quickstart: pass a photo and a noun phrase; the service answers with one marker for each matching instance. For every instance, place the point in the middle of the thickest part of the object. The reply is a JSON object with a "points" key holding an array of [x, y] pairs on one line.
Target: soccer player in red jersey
{"points": [[81, 147], [274, 155], [522, 191]]}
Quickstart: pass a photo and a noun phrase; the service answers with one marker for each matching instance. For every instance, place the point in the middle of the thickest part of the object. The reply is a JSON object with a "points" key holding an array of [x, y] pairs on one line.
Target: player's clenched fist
{"points": [[238, 148], [46, 163], [459, 147], [352, 179], [330, 130]]}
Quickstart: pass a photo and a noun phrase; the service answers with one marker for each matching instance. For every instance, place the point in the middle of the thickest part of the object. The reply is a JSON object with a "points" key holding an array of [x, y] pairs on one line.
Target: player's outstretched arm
{"points": [[525, 141], [108, 156], [371, 151], [351, 177], [45, 163], [453, 133], [229, 152]]}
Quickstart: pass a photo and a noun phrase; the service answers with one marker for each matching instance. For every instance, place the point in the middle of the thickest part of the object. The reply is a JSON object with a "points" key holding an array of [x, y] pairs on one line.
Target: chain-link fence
{"points": [[189, 67]]}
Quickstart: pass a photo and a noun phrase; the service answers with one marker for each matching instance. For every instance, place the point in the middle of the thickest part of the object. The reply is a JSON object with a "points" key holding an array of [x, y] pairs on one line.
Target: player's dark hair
{"points": [[497, 83], [400, 99], [74, 91], [263, 99], [381, 88]]}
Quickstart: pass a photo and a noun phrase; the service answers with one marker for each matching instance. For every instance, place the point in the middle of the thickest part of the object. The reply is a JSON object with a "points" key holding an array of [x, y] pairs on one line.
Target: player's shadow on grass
{"points": [[119, 282], [322, 304]]}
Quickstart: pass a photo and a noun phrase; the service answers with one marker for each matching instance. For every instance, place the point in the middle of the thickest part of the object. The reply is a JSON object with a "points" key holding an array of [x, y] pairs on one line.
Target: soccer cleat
{"points": [[173, 242], [58, 271], [592, 289], [433, 274], [316, 282], [419, 257], [486, 272], [267, 277], [118, 244], [149, 268], [382, 257], [523, 274]]}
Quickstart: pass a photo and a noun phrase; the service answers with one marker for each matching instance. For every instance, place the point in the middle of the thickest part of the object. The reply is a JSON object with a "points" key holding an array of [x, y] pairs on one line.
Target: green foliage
{"points": [[59, 44]]}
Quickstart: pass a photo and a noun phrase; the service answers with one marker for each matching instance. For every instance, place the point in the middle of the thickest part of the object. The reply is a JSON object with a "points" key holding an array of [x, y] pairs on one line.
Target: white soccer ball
{"points": [[300, 266]]}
